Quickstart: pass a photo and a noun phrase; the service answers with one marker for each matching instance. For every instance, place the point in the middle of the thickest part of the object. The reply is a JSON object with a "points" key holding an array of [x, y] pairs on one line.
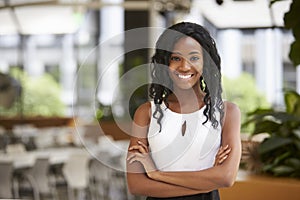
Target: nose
{"points": [[185, 64]]}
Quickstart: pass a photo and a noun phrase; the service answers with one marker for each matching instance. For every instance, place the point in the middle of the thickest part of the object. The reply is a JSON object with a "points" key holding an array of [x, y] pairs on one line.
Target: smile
{"points": [[184, 76]]}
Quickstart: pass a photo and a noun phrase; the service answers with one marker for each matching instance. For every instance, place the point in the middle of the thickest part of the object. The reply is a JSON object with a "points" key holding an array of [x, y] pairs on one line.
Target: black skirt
{"points": [[213, 195]]}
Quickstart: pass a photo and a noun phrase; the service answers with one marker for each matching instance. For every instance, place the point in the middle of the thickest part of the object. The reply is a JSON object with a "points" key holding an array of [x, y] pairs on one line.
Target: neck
{"points": [[186, 100], [187, 96]]}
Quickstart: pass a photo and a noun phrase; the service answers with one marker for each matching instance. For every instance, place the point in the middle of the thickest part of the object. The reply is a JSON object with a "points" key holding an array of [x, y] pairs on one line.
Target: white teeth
{"points": [[184, 76]]}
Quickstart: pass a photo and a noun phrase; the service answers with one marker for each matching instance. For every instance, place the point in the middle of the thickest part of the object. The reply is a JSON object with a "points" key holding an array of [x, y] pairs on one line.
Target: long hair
{"points": [[210, 81]]}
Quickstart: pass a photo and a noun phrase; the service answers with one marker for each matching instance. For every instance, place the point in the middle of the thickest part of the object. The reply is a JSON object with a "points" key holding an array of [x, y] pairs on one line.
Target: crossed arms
{"points": [[145, 179]]}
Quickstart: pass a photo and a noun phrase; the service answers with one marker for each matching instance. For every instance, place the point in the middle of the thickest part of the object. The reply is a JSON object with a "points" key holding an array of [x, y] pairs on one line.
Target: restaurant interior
{"points": [[73, 72]]}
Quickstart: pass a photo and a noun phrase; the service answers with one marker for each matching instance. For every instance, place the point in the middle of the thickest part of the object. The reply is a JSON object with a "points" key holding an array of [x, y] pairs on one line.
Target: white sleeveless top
{"points": [[171, 151]]}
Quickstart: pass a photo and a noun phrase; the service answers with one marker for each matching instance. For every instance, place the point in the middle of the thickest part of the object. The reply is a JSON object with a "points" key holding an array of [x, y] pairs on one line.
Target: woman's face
{"points": [[186, 63]]}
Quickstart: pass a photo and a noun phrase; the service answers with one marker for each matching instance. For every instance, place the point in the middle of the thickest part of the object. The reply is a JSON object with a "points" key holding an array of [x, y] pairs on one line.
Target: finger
{"points": [[219, 151], [132, 147], [133, 159], [225, 153], [140, 155], [138, 147], [144, 145], [136, 157], [130, 156], [222, 149], [135, 154], [222, 159]]}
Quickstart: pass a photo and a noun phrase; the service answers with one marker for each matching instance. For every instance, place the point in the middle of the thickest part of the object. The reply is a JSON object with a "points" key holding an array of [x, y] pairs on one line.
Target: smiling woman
{"points": [[186, 63], [185, 141]]}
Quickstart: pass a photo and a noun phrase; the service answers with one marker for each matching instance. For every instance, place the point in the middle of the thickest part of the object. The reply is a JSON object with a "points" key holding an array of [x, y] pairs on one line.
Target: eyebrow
{"points": [[191, 53]]}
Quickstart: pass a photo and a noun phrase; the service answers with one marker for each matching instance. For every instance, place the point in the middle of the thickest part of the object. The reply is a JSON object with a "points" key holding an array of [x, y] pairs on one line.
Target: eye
{"points": [[194, 58], [175, 58]]}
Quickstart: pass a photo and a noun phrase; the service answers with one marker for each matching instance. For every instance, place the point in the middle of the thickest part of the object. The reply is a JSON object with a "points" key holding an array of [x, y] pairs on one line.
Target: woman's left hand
{"points": [[222, 155], [141, 153]]}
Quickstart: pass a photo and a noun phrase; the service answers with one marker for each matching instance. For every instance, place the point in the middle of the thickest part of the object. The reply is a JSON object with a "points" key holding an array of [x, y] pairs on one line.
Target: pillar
{"points": [[68, 69], [230, 49], [32, 65], [110, 50], [268, 64]]}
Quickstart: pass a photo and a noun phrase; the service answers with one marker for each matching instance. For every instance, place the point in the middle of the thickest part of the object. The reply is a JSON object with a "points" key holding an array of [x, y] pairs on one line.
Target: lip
{"points": [[184, 76]]}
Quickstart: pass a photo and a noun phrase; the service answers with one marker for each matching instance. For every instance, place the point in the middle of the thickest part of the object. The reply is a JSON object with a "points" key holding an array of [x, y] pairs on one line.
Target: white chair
{"points": [[76, 173], [39, 180], [45, 138], [15, 148], [100, 178], [6, 183]]}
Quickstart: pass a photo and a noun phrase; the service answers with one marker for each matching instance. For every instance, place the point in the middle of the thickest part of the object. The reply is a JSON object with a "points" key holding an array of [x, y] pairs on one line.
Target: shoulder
{"points": [[232, 113], [142, 114], [141, 123], [230, 107]]}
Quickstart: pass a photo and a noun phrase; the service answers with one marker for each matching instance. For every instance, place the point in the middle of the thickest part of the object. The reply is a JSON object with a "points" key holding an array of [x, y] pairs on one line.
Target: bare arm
{"points": [[218, 176], [138, 181]]}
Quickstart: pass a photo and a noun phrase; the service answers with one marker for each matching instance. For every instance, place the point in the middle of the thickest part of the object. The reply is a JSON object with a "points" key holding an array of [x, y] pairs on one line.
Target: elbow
{"points": [[227, 179], [132, 190], [135, 190], [228, 183], [133, 186]]}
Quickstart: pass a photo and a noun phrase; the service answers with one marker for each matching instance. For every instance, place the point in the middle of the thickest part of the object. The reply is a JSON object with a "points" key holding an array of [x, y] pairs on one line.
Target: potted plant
{"points": [[279, 153]]}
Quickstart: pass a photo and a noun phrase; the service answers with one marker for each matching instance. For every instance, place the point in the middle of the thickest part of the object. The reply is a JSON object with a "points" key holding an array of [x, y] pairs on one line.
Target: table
{"points": [[27, 159]]}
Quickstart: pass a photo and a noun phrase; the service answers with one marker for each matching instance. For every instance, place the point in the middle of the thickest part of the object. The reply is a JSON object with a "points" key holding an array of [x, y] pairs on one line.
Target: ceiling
{"points": [[29, 17], [244, 14]]}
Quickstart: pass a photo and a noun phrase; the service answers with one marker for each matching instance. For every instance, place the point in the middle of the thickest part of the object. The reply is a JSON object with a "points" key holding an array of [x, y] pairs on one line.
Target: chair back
{"points": [[40, 173], [76, 171], [6, 170], [100, 172]]}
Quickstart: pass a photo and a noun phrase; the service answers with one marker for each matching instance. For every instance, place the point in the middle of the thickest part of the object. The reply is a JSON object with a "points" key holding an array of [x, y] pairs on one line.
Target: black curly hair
{"points": [[210, 81]]}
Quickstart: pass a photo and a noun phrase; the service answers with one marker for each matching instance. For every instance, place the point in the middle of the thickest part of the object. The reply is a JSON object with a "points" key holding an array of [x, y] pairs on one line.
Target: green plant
{"points": [[280, 152], [40, 97], [244, 92], [292, 22]]}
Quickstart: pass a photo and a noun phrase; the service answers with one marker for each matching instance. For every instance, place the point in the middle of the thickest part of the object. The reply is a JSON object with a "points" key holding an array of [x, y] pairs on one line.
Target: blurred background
{"points": [[48, 48], [60, 62]]}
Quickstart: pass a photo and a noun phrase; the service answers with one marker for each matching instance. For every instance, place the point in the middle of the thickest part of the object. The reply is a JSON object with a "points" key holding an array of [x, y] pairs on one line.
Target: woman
{"points": [[185, 142]]}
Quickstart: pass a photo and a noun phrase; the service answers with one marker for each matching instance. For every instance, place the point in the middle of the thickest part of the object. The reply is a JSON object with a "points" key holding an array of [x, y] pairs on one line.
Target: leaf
{"points": [[291, 18], [285, 117], [273, 143], [285, 130], [297, 144], [292, 21], [282, 170], [296, 31], [267, 167], [257, 115], [291, 98], [265, 127], [275, 116], [297, 133], [294, 53], [293, 162], [260, 111], [281, 157]]}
